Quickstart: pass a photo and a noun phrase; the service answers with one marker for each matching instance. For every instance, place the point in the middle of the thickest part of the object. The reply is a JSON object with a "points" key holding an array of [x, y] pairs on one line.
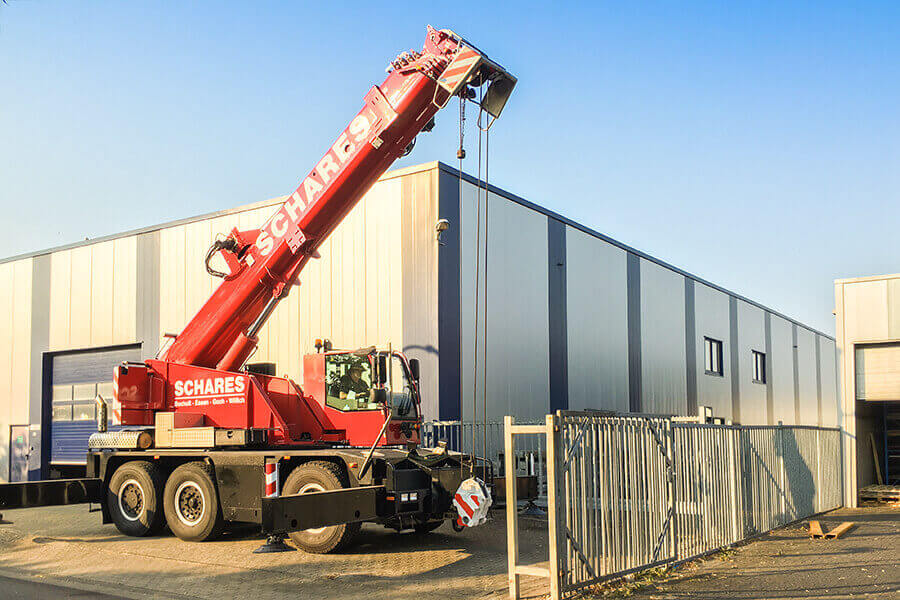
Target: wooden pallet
{"points": [[816, 532], [880, 492]]}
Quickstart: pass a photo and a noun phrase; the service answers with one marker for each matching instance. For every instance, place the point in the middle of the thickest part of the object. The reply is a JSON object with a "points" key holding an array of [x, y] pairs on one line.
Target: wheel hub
{"points": [[190, 504], [131, 500]]}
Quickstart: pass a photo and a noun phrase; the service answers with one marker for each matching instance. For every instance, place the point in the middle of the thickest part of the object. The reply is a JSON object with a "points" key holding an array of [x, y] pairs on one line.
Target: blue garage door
{"points": [[76, 379]]}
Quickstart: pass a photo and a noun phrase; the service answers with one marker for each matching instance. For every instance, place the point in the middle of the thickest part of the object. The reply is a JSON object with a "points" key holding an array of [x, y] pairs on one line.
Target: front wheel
{"points": [[319, 476], [192, 504]]}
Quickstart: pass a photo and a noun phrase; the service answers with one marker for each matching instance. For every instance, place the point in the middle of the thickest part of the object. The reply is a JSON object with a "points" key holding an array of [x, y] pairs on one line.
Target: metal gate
{"points": [[616, 476]]}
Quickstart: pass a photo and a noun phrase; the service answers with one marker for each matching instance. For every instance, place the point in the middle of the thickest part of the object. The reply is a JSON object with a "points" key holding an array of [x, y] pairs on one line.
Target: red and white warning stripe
{"points": [[116, 405], [465, 61], [272, 487]]}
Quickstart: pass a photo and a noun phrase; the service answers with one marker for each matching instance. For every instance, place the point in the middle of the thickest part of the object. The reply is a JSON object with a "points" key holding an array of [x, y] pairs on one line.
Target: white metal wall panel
{"points": [[878, 373], [15, 351], [807, 380], [93, 295], [751, 336], [663, 368], [597, 323], [866, 311], [828, 366], [517, 318], [782, 374], [712, 320], [351, 294]]}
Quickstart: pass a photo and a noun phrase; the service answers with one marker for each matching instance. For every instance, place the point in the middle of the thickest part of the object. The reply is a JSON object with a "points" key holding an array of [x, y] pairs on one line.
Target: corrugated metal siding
{"points": [[751, 336], [517, 322], [664, 376], [712, 321], [597, 319], [807, 379], [782, 371]]}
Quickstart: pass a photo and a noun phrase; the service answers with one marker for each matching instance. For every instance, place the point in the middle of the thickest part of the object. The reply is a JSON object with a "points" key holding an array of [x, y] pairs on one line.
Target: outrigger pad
{"points": [[274, 543]]}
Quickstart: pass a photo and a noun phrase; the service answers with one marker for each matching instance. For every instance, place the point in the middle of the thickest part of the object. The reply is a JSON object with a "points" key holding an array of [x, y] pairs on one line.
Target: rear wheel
{"points": [[319, 476], [134, 498], [192, 504]]}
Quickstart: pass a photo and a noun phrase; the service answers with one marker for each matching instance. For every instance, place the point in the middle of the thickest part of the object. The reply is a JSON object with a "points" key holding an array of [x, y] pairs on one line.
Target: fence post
{"points": [[672, 488], [553, 505], [782, 518], [512, 523], [736, 511]]}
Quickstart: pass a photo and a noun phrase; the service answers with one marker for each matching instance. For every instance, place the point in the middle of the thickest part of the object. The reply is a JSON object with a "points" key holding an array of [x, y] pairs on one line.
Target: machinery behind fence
{"points": [[628, 493]]}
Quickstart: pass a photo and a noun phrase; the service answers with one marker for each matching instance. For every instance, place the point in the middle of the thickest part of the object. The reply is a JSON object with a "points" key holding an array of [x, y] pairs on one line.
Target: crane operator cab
{"points": [[361, 389]]}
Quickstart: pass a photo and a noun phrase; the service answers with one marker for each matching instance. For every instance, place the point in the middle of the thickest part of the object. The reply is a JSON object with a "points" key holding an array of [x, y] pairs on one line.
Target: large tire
{"points": [[134, 498], [320, 476], [191, 503]]}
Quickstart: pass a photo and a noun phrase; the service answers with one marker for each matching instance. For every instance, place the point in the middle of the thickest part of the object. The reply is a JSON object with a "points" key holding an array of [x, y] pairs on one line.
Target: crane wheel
{"points": [[320, 476], [134, 498], [191, 503]]}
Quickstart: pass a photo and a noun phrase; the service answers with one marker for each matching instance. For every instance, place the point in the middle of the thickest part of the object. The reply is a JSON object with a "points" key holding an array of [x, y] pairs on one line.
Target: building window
{"points": [[713, 350], [759, 366]]}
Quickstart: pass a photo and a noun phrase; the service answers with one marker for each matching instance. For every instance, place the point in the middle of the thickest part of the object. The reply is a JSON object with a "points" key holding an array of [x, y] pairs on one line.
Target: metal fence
{"points": [[530, 455], [628, 493]]}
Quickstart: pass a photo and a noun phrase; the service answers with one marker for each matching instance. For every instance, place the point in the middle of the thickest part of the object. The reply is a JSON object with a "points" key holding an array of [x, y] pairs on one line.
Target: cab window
{"points": [[404, 405], [348, 382]]}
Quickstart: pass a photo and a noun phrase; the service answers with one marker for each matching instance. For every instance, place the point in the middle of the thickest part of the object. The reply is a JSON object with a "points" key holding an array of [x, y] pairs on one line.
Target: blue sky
{"points": [[755, 145]]}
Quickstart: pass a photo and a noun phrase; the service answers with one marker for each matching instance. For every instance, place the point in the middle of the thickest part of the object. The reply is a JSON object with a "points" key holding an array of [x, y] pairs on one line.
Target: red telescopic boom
{"points": [[264, 263]]}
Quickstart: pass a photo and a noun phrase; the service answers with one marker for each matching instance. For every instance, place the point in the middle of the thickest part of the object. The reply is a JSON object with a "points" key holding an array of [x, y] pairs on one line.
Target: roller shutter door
{"points": [[878, 372], [75, 380]]}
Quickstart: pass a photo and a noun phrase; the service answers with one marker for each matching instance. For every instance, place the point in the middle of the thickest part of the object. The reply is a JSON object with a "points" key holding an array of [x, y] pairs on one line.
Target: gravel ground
{"points": [[66, 546], [864, 563]]}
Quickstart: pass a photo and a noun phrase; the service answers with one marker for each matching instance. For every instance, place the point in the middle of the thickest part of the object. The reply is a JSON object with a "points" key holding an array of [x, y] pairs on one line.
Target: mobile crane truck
{"points": [[207, 440]]}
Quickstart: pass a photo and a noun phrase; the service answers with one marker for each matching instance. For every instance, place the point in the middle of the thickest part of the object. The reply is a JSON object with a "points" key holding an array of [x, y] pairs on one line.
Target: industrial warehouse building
{"points": [[566, 318], [867, 312]]}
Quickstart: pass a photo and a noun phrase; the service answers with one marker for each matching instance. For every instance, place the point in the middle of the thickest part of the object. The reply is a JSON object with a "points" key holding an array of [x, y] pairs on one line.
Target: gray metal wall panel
{"points": [[597, 313], [828, 370], [690, 345], [663, 378], [807, 384], [751, 336], [712, 321], [517, 324], [419, 252], [147, 305], [782, 371]]}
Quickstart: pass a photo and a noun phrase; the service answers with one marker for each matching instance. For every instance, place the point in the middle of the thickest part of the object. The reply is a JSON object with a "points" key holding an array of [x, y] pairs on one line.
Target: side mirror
{"points": [[414, 368], [382, 369], [379, 396]]}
